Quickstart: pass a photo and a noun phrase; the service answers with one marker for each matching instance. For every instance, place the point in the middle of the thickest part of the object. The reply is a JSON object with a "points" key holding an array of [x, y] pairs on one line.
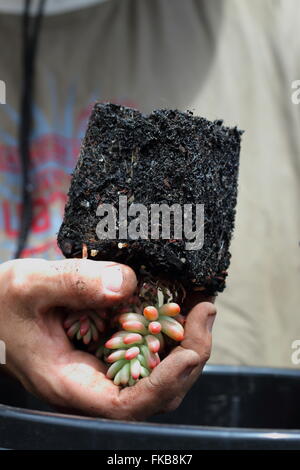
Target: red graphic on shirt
{"points": [[53, 158]]}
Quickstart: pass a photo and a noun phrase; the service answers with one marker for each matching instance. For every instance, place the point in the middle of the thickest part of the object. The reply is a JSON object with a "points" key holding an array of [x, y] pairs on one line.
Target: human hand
{"points": [[34, 294]]}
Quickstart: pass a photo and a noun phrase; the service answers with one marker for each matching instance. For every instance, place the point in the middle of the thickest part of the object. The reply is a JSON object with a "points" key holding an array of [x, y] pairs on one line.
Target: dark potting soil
{"points": [[168, 157]]}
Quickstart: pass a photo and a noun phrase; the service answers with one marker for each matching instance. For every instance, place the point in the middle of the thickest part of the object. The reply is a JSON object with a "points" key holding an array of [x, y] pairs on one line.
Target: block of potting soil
{"points": [[155, 191]]}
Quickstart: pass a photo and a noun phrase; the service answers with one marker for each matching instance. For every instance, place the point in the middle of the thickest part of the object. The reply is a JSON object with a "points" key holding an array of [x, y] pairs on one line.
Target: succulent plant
{"points": [[146, 327]]}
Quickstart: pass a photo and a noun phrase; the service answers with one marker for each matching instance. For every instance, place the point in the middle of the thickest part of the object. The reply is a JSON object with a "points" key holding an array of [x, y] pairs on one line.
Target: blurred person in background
{"points": [[229, 59]]}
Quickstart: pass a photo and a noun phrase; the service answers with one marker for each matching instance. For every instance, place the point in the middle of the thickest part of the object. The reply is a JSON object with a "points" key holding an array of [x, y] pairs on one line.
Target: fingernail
{"points": [[113, 278], [210, 322]]}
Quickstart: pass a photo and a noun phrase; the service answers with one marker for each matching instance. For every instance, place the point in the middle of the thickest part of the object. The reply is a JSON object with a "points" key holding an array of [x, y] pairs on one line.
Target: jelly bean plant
{"points": [[133, 337]]}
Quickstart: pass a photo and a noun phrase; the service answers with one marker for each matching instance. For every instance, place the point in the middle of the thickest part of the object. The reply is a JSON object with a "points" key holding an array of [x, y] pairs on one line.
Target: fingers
{"points": [[198, 328], [88, 388], [73, 283], [195, 298], [85, 387], [163, 390]]}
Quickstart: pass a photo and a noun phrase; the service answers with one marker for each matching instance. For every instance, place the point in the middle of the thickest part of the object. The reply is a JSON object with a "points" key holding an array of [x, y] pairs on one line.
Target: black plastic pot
{"points": [[228, 408]]}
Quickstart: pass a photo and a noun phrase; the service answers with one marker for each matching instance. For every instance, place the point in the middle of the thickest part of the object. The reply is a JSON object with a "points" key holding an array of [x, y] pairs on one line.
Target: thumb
{"points": [[76, 283]]}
